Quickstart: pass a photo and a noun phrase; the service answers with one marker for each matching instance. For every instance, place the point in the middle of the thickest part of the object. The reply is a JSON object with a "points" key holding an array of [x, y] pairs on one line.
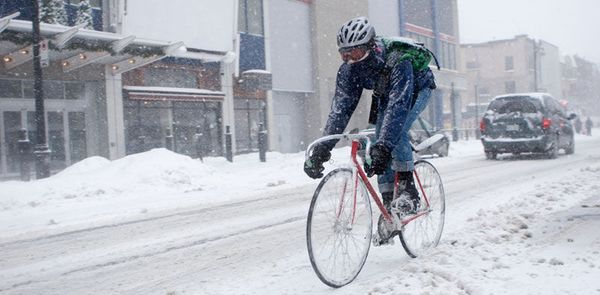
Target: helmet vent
{"points": [[355, 32]]}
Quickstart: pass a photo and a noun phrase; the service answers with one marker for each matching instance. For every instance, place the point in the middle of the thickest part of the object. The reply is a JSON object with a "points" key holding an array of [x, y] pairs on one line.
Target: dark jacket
{"points": [[588, 123], [396, 82]]}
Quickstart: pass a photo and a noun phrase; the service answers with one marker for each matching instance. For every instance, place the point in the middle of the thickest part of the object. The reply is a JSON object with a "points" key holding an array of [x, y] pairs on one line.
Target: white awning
{"points": [[75, 47]]}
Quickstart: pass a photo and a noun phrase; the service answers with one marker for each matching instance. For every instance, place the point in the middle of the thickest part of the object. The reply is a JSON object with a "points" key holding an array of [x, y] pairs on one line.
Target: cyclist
{"points": [[401, 94]]}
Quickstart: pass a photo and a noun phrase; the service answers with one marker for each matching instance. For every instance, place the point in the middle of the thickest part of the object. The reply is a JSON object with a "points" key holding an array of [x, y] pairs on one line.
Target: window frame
{"points": [[244, 21], [509, 63]]}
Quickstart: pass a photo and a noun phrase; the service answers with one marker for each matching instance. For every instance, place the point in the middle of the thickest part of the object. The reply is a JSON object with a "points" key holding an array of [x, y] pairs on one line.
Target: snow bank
{"points": [[538, 242]]}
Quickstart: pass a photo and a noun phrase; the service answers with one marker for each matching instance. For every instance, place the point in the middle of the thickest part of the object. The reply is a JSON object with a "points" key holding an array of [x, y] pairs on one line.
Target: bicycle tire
{"points": [[424, 233], [332, 226]]}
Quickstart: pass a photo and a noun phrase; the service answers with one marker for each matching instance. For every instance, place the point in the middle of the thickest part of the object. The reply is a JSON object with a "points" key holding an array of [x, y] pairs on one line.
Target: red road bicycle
{"points": [[340, 220]]}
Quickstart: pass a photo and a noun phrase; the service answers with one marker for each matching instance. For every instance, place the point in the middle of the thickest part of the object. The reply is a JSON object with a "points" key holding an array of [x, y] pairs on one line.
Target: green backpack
{"points": [[419, 55], [399, 49]]}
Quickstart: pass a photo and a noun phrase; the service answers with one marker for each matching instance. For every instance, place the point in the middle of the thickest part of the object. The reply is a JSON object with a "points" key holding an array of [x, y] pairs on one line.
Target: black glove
{"points": [[313, 166], [380, 159]]}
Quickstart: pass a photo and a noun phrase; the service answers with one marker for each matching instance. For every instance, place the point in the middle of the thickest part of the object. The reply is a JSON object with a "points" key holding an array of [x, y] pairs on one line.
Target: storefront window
{"points": [[56, 140], [31, 128], [249, 113], [53, 90], [74, 90], [144, 129], [77, 136], [12, 125], [195, 126], [28, 89], [166, 77], [10, 89]]}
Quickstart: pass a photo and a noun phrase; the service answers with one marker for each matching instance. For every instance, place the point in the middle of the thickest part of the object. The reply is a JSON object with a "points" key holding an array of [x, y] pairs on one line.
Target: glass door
{"points": [[12, 125]]}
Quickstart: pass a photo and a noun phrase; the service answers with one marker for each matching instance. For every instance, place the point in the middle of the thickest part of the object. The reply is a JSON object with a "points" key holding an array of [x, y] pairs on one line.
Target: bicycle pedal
{"points": [[377, 241]]}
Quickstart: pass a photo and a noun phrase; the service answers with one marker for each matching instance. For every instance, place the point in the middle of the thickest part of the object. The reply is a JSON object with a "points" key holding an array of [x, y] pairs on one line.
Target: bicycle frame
{"points": [[361, 173]]}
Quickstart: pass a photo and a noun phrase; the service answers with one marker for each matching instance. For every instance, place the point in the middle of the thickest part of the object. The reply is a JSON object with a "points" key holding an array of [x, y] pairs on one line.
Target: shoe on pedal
{"points": [[408, 200], [384, 233], [407, 203]]}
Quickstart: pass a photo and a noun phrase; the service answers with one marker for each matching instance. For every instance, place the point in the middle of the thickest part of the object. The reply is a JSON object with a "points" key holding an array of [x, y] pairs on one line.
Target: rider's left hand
{"points": [[381, 156], [313, 166]]}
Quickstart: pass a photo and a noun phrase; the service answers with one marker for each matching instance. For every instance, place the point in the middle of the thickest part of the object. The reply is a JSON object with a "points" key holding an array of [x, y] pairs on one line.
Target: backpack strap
{"points": [[437, 64]]}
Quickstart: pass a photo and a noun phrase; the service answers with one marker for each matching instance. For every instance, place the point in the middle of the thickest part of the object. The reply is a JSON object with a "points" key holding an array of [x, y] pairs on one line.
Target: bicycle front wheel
{"points": [[338, 231], [425, 231]]}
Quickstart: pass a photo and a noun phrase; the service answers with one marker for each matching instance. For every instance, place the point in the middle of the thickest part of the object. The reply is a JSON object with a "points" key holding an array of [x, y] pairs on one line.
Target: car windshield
{"points": [[511, 104]]}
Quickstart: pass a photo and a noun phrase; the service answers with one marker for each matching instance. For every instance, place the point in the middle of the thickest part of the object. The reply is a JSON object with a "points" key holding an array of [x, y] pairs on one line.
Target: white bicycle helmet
{"points": [[357, 31]]}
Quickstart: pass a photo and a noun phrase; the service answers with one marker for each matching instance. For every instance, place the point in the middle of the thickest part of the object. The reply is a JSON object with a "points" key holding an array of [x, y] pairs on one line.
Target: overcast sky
{"points": [[572, 25]]}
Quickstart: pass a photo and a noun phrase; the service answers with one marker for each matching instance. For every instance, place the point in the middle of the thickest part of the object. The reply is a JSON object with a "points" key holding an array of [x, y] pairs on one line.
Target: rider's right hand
{"points": [[313, 166]]}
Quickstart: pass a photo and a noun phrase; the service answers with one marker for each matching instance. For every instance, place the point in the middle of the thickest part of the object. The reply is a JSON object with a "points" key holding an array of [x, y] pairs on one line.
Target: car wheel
{"points": [[443, 150], [490, 155], [552, 153], [571, 148]]}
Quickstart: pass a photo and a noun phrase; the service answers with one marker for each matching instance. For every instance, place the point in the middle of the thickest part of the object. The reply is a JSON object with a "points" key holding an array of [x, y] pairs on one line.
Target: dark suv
{"points": [[528, 122]]}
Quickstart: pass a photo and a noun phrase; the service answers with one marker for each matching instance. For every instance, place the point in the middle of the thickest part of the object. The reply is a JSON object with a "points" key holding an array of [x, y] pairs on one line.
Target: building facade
{"points": [[311, 79], [521, 64], [435, 24], [99, 87], [581, 85], [246, 65]]}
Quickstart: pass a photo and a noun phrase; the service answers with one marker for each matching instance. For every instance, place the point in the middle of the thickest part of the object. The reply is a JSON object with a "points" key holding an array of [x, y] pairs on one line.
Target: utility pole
{"points": [[477, 131], [41, 149], [537, 51], [535, 72]]}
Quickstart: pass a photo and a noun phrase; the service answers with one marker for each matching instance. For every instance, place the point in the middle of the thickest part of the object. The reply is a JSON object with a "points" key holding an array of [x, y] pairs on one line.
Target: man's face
{"points": [[354, 54]]}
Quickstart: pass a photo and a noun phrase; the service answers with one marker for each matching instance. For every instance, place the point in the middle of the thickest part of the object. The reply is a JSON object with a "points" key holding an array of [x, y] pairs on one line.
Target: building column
{"points": [[114, 114], [401, 18], [227, 72], [273, 143], [437, 46], [3, 146], [67, 137]]}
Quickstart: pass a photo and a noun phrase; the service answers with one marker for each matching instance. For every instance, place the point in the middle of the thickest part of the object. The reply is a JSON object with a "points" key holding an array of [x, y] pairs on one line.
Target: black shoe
{"points": [[385, 233], [407, 203], [409, 199]]}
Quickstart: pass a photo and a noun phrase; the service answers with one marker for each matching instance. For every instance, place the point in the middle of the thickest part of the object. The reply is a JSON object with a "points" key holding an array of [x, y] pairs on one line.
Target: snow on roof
{"points": [[85, 34], [256, 71], [538, 95]]}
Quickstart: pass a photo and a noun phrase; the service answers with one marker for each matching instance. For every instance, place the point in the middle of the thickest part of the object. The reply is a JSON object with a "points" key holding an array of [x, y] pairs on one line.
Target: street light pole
{"points": [[477, 131], [536, 51], [41, 149]]}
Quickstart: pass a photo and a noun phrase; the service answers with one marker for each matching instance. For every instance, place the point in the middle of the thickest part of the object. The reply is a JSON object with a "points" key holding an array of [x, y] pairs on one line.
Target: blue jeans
{"points": [[402, 155]]}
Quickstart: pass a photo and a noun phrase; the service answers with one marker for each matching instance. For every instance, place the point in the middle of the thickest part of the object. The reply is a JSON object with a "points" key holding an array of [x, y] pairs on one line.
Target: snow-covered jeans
{"points": [[402, 153]]}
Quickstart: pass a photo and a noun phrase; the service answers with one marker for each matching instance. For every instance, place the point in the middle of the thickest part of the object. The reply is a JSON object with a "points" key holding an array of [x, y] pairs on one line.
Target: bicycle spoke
{"points": [[339, 228], [424, 231]]}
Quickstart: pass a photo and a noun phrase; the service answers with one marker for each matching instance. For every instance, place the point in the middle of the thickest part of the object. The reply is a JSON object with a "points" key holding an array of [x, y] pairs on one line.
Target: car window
{"points": [[512, 104], [553, 106], [550, 105]]}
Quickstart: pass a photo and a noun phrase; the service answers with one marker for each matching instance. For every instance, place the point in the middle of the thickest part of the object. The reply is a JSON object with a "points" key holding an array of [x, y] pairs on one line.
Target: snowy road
{"points": [[502, 216]]}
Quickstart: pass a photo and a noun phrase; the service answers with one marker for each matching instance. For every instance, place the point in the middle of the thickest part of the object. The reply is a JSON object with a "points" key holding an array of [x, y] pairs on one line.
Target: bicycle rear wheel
{"points": [[424, 232], [338, 230]]}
